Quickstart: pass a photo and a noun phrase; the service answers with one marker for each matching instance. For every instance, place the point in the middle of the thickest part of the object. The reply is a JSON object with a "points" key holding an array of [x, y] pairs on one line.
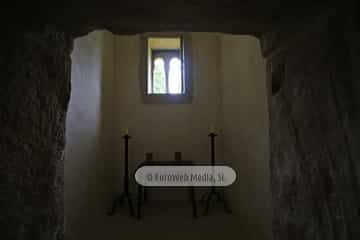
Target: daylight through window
{"points": [[165, 63]]}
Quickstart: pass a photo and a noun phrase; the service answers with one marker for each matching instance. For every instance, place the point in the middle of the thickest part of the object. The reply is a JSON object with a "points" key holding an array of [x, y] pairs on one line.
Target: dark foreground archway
{"points": [[312, 54]]}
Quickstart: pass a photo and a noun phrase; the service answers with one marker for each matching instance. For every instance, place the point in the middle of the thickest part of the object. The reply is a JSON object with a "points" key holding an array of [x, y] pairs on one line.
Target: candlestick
{"points": [[213, 191], [212, 128], [126, 193]]}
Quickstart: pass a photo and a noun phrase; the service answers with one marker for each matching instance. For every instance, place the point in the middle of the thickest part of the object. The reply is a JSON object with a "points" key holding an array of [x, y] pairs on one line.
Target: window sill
{"points": [[167, 99]]}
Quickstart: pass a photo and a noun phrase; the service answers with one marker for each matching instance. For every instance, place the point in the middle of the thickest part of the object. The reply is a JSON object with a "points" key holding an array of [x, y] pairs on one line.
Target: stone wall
{"points": [[34, 94], [313, 113], [312, 104]]}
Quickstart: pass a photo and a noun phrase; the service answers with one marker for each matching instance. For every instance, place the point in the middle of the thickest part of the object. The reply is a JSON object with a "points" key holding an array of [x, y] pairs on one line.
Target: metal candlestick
{"points": [[126, 194], [213, 191]]}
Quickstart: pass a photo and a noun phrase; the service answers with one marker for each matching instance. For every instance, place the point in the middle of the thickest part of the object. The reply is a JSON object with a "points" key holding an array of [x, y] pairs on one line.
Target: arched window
{"points": [[166, 67], [159, 76], [175, 77]]}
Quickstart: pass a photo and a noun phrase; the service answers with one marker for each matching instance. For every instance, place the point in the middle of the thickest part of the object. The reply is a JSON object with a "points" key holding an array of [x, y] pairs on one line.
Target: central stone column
{"points": [[34, 95], [314, 162]]}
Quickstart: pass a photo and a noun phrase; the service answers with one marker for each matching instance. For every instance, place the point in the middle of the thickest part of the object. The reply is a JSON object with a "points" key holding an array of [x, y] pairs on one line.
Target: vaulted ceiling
{"points": [[253, 17]]}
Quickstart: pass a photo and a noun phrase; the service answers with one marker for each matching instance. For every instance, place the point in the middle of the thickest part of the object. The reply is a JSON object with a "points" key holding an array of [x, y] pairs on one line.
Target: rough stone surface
{"points": [[34, 94], [314, 163], [253, 17]]}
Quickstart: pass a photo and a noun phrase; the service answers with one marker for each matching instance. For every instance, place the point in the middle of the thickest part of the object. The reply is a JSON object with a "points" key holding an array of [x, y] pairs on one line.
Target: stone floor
{"points": [[174, 221]]}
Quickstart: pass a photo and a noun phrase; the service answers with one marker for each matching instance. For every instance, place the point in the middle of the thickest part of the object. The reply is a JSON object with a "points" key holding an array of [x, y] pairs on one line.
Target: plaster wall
{"points": [[87, 172], [229, 92], [245, 131], [166, 128]]}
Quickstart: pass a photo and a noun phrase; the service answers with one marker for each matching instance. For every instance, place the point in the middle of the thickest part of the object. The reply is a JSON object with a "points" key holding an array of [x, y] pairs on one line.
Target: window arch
{"points": [[175, 76], [159, 76]]}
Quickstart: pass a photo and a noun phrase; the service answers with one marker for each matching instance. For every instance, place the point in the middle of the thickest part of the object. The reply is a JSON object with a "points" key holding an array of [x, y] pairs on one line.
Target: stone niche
{"points": [[313, 110], [34, 95]]}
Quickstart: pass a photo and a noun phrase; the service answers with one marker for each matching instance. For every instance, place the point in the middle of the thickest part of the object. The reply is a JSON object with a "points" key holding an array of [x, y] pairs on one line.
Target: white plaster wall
{"points": [[87, 188], [166, 128], [229, 92], [246, 134]]}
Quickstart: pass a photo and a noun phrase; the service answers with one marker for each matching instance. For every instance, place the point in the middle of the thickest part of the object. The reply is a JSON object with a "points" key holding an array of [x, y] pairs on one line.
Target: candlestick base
{"points": [[219, 198], [119, 200]]}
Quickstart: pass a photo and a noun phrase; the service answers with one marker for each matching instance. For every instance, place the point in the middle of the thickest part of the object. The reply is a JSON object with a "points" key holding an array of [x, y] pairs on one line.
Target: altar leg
{"points": [[193, 201], [131, 207], [139, 201]]}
